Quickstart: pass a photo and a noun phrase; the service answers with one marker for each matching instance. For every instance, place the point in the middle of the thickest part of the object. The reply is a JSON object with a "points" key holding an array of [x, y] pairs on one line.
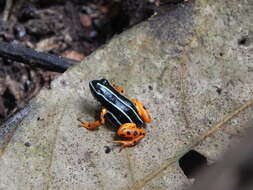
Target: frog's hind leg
{"points": [[97, 123], [131, 131]]}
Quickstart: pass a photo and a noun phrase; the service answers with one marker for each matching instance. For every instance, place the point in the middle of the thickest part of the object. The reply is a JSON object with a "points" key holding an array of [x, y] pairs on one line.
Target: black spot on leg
{"points": [[135, 133]]}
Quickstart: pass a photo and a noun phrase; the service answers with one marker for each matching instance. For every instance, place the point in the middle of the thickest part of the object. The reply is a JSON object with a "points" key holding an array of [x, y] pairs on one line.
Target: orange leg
{"points": [[95, 124], [118, 88], [142, 111], [129, 130]]}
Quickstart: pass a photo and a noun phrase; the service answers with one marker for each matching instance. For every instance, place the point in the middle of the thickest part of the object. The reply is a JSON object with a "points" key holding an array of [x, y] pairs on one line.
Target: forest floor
{"points": [[72, 29]]}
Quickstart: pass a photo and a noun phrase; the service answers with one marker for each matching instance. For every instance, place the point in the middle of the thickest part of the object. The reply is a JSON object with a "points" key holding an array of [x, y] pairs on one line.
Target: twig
{"points": [[34, 58], [7, 10]]}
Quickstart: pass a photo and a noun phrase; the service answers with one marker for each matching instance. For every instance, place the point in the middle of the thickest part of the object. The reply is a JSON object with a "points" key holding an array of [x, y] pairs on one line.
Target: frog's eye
{"points": [[104, 81]]}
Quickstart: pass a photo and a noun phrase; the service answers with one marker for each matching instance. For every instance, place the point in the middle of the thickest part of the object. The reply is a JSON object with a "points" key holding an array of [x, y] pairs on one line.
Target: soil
{"points": [[73, 29]]}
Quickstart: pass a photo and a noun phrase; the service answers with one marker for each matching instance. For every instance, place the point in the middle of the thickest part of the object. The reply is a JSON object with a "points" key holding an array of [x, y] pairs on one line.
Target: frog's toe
{"points": [[90, 126], [86, 125], [124, 144]]}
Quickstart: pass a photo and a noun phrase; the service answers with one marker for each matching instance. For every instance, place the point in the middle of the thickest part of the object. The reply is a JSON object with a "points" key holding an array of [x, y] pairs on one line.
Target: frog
{"points": [[129, 116]]}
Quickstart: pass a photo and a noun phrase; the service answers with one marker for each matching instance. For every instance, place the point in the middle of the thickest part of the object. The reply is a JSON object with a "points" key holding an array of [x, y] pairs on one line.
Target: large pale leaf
{"points": [[191, 66]]}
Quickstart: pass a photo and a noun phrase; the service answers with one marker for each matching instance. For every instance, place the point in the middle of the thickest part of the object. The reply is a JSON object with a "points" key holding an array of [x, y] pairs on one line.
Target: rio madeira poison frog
{"points": [[129, 116]]}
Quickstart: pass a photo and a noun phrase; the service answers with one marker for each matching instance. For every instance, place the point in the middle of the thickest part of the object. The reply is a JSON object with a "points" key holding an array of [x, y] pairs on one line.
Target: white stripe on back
{"points": [[122, 102], [115, 118], [111, 102]]}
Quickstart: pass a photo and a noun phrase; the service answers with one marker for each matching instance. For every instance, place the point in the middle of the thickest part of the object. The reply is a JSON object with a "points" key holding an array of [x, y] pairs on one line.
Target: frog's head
{"points": [[97, 87]]}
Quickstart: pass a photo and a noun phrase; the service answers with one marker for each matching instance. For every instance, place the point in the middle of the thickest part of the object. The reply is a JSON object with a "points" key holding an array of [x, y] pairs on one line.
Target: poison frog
{"points": [[129, 116]]}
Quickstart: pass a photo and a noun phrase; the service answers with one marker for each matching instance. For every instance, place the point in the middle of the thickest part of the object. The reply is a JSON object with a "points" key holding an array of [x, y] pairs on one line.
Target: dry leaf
{"points": [[173, 63], [73, 55]]}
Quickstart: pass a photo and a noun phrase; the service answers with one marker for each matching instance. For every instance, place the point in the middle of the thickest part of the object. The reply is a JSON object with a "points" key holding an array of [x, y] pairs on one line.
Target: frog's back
{"points": [[120, 109]]}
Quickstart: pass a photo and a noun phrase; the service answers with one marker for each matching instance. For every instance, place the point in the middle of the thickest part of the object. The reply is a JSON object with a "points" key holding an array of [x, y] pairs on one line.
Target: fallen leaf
{"points": [[172, 64], [73, 55]]}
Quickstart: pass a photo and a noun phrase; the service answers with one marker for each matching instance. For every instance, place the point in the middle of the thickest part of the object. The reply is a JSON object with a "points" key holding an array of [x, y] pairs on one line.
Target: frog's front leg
{"points": [[118, 88], [131, 131], [97, 123]]}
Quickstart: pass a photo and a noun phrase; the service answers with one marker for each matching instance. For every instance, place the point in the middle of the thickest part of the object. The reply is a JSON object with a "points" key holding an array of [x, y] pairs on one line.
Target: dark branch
{"points": [[38, 59]]}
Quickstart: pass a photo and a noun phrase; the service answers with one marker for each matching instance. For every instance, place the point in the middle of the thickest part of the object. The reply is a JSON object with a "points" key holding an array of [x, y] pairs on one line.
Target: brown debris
{"points": [[73, 55], [85, 20]]}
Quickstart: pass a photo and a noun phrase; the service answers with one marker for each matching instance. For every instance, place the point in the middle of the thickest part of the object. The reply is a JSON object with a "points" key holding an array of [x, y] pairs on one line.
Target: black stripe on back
{"points": [[127, 106]]}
